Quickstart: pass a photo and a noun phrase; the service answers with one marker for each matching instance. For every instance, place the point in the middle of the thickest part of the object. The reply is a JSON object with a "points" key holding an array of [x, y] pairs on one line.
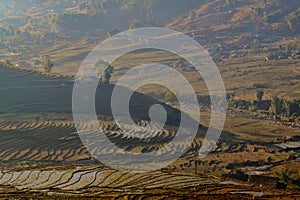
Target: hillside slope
{"points": [[36, 123], [235, 17], [30, 92]]}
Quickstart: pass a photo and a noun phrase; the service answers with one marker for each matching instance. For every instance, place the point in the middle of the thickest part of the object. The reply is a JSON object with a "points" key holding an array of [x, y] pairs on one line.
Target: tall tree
{"points": [[276, 105], [259, 94], [170, 96], [48, 66], [106, 69], [294, 107], [285, 107], [106, 76]]}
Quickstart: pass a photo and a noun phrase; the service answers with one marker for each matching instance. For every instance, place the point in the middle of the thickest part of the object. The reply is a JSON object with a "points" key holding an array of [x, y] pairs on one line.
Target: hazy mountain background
{"points": [[276, 16]]}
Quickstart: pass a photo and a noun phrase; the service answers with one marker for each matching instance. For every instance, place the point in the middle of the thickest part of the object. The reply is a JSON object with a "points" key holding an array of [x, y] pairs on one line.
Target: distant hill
{"points": [[217, 16], [89, 15], [234, 17]]}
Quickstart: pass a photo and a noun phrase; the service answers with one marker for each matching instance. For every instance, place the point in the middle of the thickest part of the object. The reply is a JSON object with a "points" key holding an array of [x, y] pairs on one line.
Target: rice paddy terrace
{"points": [[36, 123], [98, 182], [41, 155], [37, 131], [58, 142], [86, 178]]}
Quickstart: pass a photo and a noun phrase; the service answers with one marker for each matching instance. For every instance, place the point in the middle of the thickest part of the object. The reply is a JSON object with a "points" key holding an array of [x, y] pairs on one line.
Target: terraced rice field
{"points": [[48, 157], [31, 136], [98, 182], [40, 141], [41, 152], [58, 141], [54, 150], [81, 179]]}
